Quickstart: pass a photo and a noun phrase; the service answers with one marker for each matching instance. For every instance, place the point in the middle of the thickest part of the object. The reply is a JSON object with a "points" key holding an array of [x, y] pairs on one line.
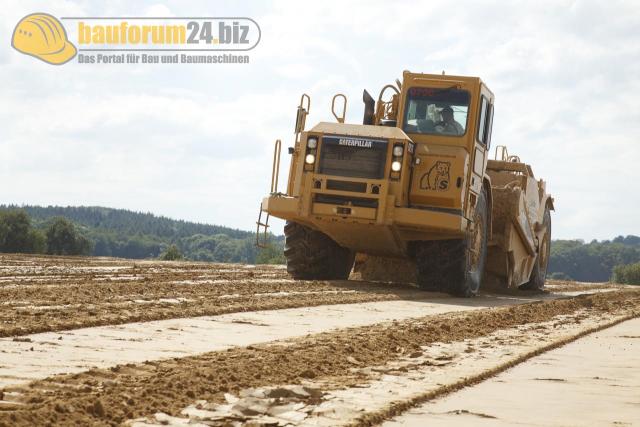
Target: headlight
{"points": [[398, 150], [312, 142], [310, 159], [396, 166]]}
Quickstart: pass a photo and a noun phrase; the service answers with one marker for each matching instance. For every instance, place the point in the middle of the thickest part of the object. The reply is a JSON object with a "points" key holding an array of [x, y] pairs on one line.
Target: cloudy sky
{"points": [[194, 141]]}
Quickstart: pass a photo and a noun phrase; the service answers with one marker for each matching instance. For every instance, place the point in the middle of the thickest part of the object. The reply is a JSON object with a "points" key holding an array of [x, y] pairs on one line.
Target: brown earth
{"points": [[41, 294], [111, 396], [44, 293], [567, 286], [383, 269]]}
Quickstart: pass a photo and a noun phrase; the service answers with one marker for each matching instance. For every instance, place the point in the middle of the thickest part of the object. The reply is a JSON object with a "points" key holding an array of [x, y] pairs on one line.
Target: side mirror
{"points": [[369, 108]]}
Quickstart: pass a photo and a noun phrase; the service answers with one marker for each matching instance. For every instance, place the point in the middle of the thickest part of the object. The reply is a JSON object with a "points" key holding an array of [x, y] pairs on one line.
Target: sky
{"points": [[195, 141]]}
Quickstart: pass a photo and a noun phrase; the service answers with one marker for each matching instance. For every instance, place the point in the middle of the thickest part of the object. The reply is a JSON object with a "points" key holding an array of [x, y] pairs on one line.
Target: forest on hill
{"points": [[593, 261], [127, 234]]}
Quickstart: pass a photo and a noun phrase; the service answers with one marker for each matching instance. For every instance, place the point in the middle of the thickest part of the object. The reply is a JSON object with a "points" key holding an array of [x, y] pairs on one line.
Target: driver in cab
{"points": [[448, 124]]}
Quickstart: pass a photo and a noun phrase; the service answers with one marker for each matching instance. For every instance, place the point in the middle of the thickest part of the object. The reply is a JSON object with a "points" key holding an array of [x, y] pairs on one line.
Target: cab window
{"points": [[435, 111], [485, 121]]}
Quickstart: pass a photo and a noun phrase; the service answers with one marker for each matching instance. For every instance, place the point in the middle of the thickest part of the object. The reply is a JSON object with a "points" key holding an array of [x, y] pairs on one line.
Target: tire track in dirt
{"points": [[42, 294], [52, 293], [433, 371], [112, 396], [591, 381], [38, 356], [398, 408]]}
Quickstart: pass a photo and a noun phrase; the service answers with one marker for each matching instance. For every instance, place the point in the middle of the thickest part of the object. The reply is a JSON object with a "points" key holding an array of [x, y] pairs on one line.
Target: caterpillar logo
{"points": [[42, 36], [362, 143]]}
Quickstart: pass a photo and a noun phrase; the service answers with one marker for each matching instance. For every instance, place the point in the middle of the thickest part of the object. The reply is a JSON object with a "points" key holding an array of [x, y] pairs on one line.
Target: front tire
{"points": [[312, 255], [456, 266]]}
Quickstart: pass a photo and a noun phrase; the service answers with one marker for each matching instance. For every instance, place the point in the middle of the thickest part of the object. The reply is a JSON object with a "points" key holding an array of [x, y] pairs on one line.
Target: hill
{"points": [[593, 261], [128, 234]]}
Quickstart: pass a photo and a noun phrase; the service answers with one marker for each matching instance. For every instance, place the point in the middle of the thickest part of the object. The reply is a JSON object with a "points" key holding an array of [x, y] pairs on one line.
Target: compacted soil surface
{"points": [[102, 341]]}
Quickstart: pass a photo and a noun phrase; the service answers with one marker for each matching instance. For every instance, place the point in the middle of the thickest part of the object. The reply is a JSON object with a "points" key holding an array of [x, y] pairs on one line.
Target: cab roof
{"points": [[440, 77]]}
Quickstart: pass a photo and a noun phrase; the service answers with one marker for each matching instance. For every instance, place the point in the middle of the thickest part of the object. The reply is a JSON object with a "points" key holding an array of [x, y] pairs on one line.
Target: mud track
{"points": [[112, 396], [41, 294]]}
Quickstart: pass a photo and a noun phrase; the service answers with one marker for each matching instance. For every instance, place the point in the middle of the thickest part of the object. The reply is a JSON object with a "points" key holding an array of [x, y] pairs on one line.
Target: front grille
{"points": [[353, 157], [346, 201], [356, 187]]}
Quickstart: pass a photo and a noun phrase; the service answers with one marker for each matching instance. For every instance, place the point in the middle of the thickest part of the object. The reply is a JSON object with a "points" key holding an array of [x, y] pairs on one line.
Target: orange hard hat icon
{"points": [[43, 36]]}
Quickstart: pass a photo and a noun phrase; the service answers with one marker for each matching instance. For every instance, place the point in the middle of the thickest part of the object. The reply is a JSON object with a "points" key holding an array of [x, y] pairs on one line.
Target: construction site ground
{"points": [[103, 341]]}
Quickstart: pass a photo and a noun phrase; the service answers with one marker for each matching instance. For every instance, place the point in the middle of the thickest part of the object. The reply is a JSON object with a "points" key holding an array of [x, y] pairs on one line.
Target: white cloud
{"points": [[159, 9]]}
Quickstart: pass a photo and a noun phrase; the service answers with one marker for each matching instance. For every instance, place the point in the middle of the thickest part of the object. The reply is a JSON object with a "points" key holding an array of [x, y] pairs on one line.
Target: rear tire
{"points": [[312, 255], [455, 266], [539, 273]]}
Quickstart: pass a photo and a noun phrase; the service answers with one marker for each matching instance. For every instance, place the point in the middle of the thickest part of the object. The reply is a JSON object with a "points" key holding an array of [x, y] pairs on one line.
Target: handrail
{"points": [[504, 154], [386, 109], [344, 107], [308, 98], [275, 172], [265, 225], [275, 169], [384, 89], [301, 115]]}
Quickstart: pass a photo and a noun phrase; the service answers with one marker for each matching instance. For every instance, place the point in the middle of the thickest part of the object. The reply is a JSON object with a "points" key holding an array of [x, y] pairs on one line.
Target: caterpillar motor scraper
{"points": [[412, 190]]}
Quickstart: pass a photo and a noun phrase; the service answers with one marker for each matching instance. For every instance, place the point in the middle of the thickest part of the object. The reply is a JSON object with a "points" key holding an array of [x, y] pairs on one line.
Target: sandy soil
{"points": [[39, 294], [38, 356], [565, 286], [114, 395], [434, 370], [602, 389], [164, 343]]}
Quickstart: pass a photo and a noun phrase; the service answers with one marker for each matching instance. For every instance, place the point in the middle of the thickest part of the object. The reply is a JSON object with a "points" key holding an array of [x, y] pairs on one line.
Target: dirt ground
{"points": [[611, 370], [40, 294], [302, 377]]}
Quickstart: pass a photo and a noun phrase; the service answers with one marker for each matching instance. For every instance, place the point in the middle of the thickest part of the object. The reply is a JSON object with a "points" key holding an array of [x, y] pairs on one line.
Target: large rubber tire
{"points": [[539, 273], [437, 264], [455, 266], [312, 255]]}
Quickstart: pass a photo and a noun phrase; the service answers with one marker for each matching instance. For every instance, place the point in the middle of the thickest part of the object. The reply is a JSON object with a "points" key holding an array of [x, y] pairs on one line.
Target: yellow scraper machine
{"points": [[412, 185]]}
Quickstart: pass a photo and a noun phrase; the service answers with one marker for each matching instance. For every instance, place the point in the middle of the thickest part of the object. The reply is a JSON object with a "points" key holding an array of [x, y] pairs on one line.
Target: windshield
{"points": [[436, 111]]}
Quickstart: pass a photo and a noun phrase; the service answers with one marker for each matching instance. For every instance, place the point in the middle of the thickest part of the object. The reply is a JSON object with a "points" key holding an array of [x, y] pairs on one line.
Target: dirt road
{"points": [[104, 342], [602, 389]]}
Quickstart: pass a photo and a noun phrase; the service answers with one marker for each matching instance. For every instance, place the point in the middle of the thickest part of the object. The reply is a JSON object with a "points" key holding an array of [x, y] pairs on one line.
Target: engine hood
{"points": [[368, 131]]}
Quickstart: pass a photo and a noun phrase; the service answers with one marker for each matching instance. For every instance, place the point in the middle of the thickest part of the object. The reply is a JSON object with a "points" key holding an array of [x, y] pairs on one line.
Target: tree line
{"points": [[58, 236], [594, 261], [126, 234], [629, 274]]}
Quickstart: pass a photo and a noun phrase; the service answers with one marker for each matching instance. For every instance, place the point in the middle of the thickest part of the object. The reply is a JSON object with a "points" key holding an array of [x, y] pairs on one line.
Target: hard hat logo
{"points": [[42, 36]]}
